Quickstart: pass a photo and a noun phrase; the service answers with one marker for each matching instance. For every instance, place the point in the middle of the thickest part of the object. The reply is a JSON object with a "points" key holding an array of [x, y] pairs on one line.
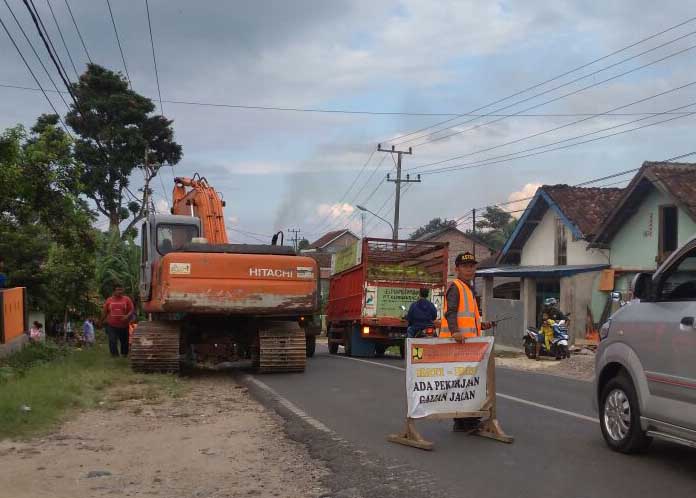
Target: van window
{"points": [[679, 283], [171, 237]]}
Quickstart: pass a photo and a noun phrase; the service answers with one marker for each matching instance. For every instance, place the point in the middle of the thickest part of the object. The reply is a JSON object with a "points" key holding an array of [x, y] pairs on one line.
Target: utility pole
{"points": [[362, 224], [398, 181], [473, 214], [296, 238]]}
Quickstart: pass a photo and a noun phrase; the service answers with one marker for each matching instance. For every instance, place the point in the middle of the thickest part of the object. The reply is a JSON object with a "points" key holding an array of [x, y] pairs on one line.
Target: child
{"points": [[88, 332], [36, 333]]}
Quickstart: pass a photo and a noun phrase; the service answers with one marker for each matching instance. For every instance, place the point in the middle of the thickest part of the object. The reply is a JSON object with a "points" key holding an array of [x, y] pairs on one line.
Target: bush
{"points": [[30, 356]]}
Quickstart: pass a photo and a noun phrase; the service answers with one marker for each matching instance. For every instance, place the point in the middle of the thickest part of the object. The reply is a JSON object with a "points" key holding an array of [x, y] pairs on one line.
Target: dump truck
{"points": [[373, 284], [212, 301]]}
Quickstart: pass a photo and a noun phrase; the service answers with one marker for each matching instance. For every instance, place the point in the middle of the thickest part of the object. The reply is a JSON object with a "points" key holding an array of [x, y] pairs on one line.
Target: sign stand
{"points": [[489, 427]]}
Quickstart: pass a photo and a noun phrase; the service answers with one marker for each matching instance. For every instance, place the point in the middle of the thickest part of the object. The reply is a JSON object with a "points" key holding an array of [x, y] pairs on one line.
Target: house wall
{"points": [[576, 298], [539, 250], [342, 242], [459, 243], [635, 245]]}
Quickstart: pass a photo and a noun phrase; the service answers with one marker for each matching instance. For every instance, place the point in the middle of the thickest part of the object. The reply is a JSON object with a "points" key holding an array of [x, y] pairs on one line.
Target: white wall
{"points": [[539, 249]]}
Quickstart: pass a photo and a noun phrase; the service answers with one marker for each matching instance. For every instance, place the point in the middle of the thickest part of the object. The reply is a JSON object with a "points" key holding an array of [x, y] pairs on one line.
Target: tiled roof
{"points": [[470, 236], [585, 207], [678, 180], [326, 238]]}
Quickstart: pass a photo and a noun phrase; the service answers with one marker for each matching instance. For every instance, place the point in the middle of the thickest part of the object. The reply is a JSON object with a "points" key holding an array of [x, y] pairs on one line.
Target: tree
{"points": [[46, 236], [495, 226], [117, 134], [303, 244], [118, 262], [432, 226]]}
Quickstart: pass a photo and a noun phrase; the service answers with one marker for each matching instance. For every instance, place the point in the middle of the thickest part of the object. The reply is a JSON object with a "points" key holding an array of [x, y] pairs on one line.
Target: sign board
{"points": [[444, 376], [346, 258], [390, 300], [370, 304]]}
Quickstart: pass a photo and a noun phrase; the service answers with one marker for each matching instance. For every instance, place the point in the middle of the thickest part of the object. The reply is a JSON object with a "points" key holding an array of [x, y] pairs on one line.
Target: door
{"points": [[145, 263], [671, 373]]}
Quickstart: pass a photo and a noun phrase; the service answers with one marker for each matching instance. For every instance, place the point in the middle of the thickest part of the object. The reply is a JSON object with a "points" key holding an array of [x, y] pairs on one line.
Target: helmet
{"points": [[550, 301]]}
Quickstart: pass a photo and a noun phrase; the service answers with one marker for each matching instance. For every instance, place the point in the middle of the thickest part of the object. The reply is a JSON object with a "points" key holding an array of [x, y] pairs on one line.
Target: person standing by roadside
{"points": [[117, 312], [88, 332]]}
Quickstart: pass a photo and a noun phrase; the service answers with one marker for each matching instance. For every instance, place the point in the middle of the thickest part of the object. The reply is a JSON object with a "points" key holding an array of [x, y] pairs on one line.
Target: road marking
{"points": [[501, 395], [296, 410]]}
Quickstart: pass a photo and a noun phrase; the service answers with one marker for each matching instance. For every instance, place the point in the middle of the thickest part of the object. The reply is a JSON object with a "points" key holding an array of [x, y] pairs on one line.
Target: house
{"points": [[334, 241], [580, 244], [549, 255], [655, 215], [322, 250], [459, 242]]}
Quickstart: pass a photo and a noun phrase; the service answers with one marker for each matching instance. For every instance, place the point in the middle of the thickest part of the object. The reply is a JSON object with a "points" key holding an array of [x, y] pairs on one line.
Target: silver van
{"points": [[645, 368]]}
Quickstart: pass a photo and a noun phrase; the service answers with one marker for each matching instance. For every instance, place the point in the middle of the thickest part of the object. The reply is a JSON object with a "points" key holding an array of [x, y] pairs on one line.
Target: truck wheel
{"points": [[402, 351], [347, 340], [379, 350], [333, 348], [619, 416], [311, 345]]}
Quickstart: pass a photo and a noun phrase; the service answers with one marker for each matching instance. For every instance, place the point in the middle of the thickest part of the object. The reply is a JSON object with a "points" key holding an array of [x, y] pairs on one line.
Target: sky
{"points": [[280, 169]]}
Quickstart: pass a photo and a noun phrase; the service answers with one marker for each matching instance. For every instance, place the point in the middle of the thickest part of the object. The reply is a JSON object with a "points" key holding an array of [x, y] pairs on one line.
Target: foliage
{"points": [[432, 226], [55, 382], [495, 226], [118, 261], [41, 214], [117, 134], [303, 244]]}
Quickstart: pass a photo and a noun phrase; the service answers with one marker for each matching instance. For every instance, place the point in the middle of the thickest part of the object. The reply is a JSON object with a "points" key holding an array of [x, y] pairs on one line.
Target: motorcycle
{"points": [[558, 344]]}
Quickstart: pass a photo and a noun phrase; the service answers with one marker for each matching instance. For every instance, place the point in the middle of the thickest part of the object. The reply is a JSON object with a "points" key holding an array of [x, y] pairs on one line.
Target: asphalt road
{"points": [[342, 405]]}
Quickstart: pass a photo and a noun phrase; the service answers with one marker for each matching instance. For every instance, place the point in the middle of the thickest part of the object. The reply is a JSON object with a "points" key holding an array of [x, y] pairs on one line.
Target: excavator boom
{"points": [[202, 201]]}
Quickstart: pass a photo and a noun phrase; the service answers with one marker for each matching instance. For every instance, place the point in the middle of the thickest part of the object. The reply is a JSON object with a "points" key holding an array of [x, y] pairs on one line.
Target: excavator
{"points": [[208, 300]]}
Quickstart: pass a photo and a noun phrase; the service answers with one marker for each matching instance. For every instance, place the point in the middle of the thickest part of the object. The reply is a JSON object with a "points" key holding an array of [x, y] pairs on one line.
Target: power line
{"points": [[60, 32], [537, 85], [79, 34], [118, 41], [34, 76], [490, 161], [38, 57], [154, 58], [43, 32], [575, 92], [534, 135]]}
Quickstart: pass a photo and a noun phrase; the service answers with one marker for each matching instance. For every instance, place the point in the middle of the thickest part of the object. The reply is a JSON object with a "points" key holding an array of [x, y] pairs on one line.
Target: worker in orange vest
{"points": [[461, 318]]}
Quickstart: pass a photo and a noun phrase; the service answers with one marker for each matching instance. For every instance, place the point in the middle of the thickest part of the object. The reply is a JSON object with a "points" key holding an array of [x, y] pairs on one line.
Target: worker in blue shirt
{"points": [[421, 314]]}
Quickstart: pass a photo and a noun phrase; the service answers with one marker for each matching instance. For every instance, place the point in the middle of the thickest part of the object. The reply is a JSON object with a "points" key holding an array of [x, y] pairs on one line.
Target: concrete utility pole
{"points": [[473, 213], [398, 181], [296, 238]]}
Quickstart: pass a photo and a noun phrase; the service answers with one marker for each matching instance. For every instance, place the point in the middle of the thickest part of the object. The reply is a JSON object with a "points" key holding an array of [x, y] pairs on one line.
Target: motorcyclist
{"points": [[421, 314], [550, 312]]}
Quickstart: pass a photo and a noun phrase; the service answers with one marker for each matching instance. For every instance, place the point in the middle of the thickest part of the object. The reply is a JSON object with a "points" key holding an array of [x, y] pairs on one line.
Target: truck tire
{"points": [[402, 351], [311, 345], [347, 342], [333, 348], [380, 349], [619, 416]]}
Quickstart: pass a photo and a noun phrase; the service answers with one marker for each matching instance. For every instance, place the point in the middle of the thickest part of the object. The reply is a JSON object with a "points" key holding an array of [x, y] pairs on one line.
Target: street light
{"points": [[363, 208]]}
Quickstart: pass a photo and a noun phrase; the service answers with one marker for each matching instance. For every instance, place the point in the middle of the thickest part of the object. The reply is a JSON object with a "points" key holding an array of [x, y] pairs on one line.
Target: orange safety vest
{"points": [[468, 316]]}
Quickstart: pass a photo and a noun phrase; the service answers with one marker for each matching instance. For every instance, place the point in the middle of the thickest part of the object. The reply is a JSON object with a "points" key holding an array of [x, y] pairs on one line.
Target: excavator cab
{"points": [[160, 235]]}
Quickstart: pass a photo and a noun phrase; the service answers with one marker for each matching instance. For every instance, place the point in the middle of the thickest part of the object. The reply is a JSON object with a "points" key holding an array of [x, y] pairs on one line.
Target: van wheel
{"points": [[619, 416]]}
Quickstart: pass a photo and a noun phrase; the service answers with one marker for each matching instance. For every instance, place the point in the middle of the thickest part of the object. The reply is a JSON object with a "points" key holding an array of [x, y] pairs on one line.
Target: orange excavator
{"points": [[210, 300]]}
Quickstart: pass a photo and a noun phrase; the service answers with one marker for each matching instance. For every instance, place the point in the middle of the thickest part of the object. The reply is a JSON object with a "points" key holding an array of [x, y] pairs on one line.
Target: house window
{"points": [[668, 231], [561, 243]]}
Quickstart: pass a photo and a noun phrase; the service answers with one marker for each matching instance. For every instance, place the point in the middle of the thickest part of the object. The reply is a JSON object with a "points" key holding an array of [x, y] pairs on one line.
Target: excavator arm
{"points": [[194, 197]]}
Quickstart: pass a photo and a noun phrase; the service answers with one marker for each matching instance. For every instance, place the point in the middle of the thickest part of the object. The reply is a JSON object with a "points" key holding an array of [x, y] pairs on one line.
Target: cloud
{"points": [[161, 206], [334, 210], [233, 220], [521, 199]]}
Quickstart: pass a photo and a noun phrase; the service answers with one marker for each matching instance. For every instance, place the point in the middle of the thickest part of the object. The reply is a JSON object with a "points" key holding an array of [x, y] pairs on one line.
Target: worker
{"points": [[421, 314], [461, 318], [3, 277], [117, 312]]}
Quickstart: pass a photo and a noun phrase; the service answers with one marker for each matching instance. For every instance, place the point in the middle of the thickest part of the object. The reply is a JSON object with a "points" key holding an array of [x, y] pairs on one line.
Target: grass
{"points": [[55, 382]]}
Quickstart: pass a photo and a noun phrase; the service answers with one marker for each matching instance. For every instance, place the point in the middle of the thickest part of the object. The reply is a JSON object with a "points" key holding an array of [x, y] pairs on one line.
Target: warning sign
{"points": [[444, 376]]}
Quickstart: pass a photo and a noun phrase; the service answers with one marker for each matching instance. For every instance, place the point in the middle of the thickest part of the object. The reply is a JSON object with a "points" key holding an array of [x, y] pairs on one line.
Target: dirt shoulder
{"points": [[213, 441], [580, 365]]}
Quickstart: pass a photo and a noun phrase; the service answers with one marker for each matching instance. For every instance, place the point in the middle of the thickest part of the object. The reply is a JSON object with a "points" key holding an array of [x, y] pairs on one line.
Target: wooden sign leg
{"points": [[411, 437], [491, 428]]}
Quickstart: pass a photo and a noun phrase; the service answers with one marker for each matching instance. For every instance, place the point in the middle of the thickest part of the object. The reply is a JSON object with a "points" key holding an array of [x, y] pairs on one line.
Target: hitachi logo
{"points": [[269, 272]]}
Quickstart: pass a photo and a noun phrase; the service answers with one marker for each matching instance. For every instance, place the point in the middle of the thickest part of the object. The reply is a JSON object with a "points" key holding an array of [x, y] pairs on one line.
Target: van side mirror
{"points": [[616, 296], [642, 286]]}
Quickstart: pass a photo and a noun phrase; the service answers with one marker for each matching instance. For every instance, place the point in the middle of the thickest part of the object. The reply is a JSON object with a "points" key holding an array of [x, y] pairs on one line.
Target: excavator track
{"points": [[282, 347], [155, 347]]}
